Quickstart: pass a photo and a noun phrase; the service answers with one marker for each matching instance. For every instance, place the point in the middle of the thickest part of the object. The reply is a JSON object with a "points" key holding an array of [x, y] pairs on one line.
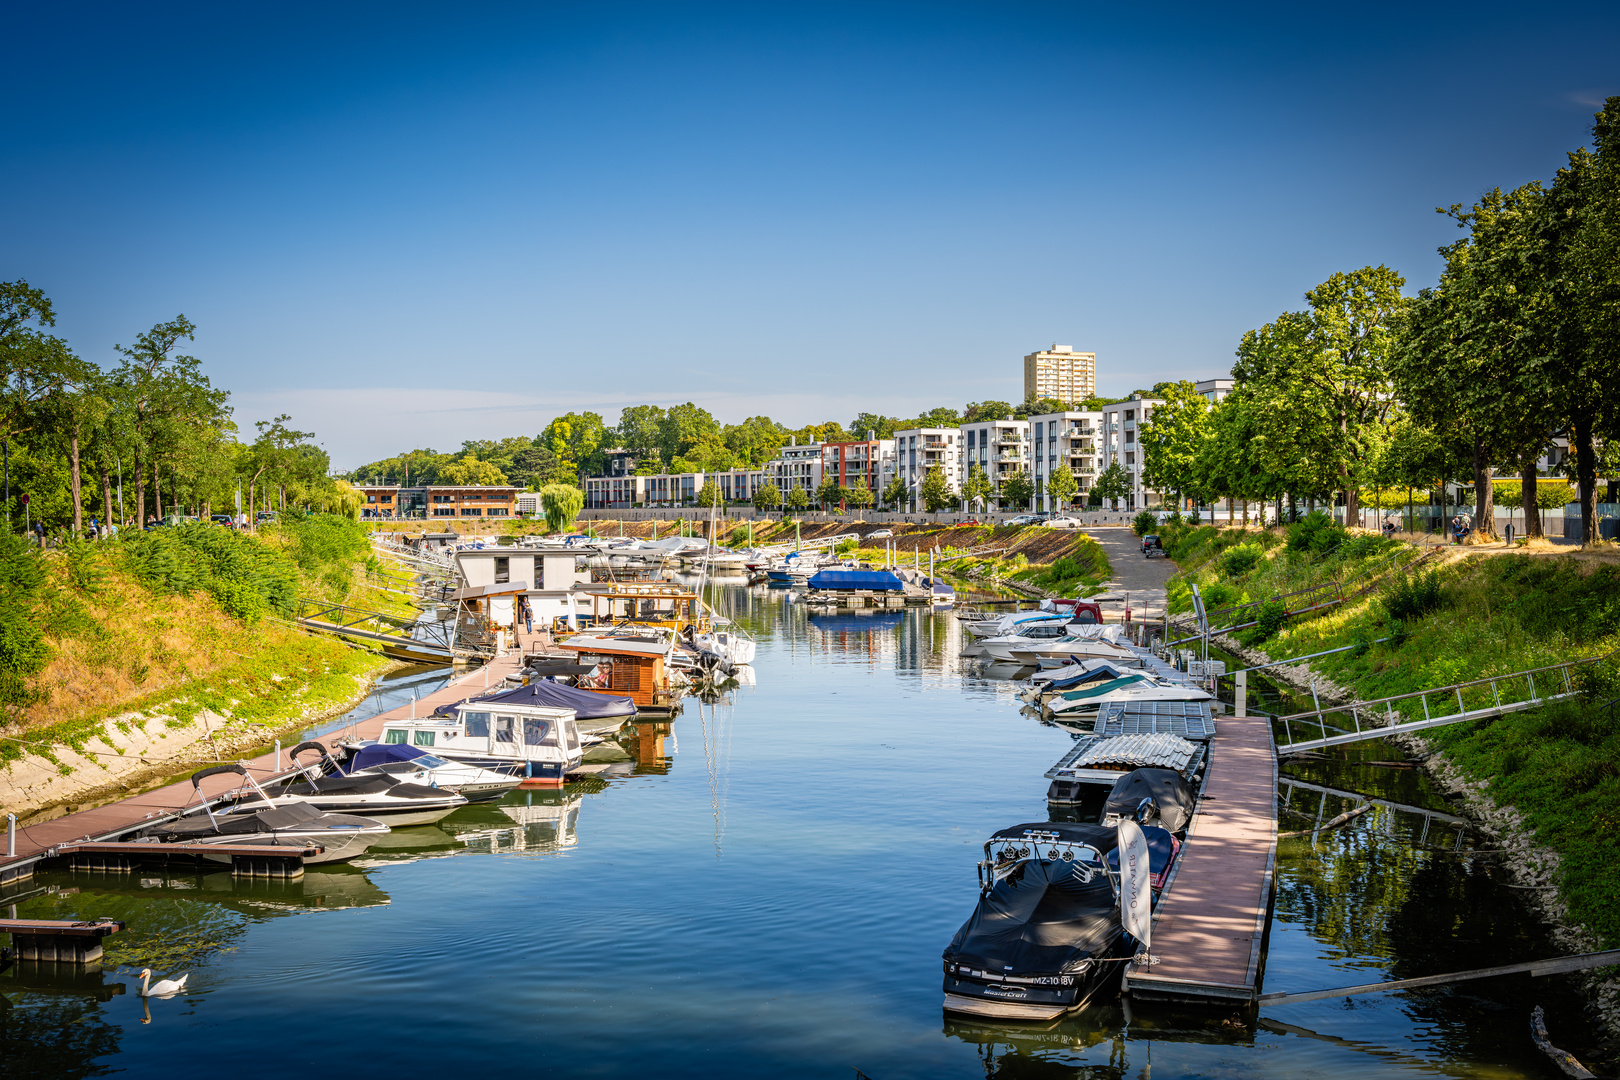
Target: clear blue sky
{"points": [[412, 224]]}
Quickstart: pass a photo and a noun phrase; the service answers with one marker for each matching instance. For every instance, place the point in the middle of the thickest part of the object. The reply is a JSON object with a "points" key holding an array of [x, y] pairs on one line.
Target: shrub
{"points": [[1220, 595], [1414, 597], [1240, 559], [1145, 523], [1271, 616], [1316, 534]]}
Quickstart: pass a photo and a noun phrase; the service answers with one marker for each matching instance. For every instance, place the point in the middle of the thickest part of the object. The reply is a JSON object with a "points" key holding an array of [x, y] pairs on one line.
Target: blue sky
{"points": [[409, 225]]}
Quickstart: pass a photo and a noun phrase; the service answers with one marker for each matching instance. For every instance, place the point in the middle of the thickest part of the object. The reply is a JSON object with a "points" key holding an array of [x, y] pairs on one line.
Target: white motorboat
{"points": [[729, 643], [1018, 623], [417, 766], [340, 837], [394, 801], [1097, 642], [1025, 636], [1084, 701], [536, 743]]}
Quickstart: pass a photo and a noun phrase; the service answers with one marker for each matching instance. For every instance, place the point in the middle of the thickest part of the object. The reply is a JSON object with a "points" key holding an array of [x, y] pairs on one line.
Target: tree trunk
{"points": [[140, 488], [1527, 497], [78, 497], [106, 494], [1484, 493], [157, 493], [1586, 474]]}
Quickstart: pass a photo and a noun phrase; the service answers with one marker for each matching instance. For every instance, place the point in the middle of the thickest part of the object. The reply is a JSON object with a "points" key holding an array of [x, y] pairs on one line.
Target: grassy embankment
{"points": [[160, 626], [1471, 617]]}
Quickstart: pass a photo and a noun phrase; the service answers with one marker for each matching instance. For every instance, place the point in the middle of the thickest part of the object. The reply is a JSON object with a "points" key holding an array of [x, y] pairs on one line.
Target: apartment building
{"points": [[999, 447], [1061, 373], [861, 460], [1121, 423], [1065, 440], [795, 466], [916, 450]]}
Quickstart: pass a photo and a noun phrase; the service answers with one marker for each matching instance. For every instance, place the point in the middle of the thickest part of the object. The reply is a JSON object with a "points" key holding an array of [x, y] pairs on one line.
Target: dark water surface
{"points": [[768, 895]]}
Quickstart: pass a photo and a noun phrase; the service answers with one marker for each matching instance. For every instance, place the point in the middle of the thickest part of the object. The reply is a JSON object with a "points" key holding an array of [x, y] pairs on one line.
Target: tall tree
{"points": [[894, 492], [1111, 484], [1061, 486], [977, 487], [986, 410], [935, 490], [640, 430], [880, 427], [1172, 438], [165, 392], [1325, 372], [1018, 488], [767, 497]]}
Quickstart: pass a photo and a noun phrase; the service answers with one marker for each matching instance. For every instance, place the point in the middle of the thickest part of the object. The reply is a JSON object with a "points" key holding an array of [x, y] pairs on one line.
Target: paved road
{"points": [[1143, 579]]}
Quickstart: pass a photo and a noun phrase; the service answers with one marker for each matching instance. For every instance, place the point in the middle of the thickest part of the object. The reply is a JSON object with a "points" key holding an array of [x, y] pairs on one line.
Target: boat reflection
{"points": [[525, 821]]}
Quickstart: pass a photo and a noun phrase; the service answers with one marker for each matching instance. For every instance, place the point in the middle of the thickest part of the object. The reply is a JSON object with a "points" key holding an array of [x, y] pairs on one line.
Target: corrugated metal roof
{"points": [[1160, 751]]}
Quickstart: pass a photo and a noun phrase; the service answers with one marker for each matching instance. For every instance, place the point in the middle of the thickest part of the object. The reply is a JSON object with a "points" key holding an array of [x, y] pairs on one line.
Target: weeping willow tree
{"points": [[561, 503]]}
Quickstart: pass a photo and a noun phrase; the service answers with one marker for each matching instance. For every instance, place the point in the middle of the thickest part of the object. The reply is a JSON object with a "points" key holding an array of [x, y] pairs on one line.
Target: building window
{"points": [[1130, 436], [471, 511], [503, 570], [451, 512], [499, 511], [1130, 414], [444, 498]]}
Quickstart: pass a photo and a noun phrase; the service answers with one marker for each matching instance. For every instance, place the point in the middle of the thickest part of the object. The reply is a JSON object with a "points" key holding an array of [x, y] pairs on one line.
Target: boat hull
{"points": [[1026, 1001]]}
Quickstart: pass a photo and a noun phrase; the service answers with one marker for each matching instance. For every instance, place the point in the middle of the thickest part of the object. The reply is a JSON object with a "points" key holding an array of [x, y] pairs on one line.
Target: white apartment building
{"points": [[1065, 440], [1120, 423], [916, 450], [667, 489], [1061, 373], [795, 466], [999, 447], [1214, 391]]}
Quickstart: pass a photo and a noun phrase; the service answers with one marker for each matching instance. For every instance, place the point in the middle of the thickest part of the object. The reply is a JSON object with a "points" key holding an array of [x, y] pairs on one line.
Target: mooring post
{"points": [[278, 756], [413, 703], [11, 835], [1240, 705]]}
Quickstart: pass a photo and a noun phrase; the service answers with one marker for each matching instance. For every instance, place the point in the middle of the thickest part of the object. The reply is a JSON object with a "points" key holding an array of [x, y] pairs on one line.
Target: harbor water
{"points": [[763, 886]]}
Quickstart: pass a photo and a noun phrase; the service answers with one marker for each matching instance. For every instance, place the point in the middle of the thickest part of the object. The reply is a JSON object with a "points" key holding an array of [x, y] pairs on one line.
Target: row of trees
{"points": [[147, 438], [1368, 390]]}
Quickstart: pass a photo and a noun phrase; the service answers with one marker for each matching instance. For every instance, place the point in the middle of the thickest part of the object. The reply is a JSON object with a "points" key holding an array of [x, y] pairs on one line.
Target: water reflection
{"points": [[528, 822]]}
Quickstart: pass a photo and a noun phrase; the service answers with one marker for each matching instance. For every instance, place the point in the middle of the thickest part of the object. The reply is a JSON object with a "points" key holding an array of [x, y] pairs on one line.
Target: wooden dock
{"points": [[1210, 924], [106, 823]]}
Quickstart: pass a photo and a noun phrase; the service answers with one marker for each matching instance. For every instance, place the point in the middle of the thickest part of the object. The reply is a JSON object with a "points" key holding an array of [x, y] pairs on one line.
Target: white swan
{"points": [[164, 988]]}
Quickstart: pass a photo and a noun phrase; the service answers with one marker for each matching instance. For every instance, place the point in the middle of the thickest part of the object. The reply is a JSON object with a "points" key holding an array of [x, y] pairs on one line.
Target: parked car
{"points": [[1021, 519], [972, 521], [880, 534], [220, 519], [266, 515], [1062, 523]]}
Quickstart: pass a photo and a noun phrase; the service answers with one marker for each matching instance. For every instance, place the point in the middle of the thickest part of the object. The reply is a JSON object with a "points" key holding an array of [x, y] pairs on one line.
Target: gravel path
{"points": [[1142, 578]]}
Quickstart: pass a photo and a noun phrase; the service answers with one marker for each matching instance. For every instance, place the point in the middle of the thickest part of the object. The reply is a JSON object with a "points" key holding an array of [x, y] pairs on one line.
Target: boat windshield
{"points": [[538, 732]]}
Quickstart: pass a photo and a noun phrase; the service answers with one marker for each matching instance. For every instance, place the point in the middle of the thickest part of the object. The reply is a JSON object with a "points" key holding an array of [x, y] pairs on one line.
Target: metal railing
{"points": [[1361, 720]]}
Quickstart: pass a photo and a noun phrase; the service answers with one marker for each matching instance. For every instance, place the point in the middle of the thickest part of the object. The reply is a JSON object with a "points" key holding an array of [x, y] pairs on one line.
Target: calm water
{"points": [[768, 895]]}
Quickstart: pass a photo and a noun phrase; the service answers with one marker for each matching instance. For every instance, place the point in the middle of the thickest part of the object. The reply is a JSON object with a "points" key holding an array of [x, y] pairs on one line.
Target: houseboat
{"points": [[634, 660], [657, 604]]}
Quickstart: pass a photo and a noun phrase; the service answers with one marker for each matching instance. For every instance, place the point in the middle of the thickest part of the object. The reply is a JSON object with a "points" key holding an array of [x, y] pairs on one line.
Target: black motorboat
{"points": [[339, 836], [1160, 797], [1047, 931], [391, 800]]}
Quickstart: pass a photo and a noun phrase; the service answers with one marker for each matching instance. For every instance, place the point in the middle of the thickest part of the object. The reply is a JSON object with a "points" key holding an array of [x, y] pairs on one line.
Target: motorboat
{"points": [[1160, 801], [1068, 677], [389, 799], [593, 710], [538, 744], [1012, 623], [1046, 927], [727, 642], [1086, 700], [1078, 642], [1024, 636], [417, 766], [259, 822]]}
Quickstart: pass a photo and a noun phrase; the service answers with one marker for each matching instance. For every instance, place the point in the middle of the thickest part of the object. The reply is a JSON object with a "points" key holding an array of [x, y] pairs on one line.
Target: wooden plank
{"points": [[258, 851], [1211, 919], [105, 823]]}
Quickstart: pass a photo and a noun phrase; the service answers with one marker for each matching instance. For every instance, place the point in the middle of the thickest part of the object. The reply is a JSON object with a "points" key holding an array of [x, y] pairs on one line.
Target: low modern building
{"points": [[916, 450], [1065, 440], [1121, 423], [669, 489], [390, 501], [1214, 391]]}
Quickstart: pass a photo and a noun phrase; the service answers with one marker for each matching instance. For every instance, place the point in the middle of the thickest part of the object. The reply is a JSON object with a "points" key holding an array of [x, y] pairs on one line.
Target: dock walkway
{"points": [[1211, 919], [114, 819]]}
